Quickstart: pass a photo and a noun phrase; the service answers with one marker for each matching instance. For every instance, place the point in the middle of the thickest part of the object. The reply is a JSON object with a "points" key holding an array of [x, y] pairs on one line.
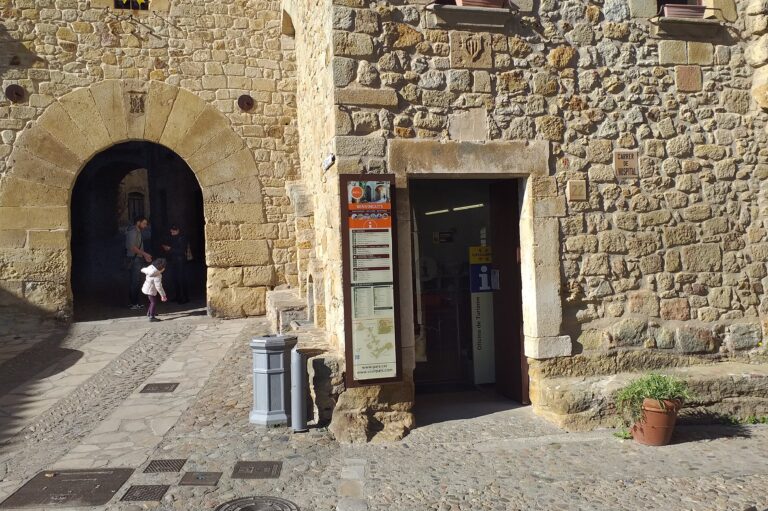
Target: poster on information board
{"points": [[370, 279]]}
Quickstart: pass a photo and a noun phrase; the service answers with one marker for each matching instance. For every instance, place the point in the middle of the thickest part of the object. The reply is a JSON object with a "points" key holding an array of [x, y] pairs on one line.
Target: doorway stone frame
{"points": [[49, 154], [539, 228]]}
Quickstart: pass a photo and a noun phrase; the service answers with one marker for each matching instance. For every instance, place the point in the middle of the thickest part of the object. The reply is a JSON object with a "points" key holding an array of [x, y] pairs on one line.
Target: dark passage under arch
{"points": [[131, 178]]}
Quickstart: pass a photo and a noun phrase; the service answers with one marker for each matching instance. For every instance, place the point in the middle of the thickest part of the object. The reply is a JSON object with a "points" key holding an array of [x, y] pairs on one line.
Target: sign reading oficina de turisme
{"points": [[370, 279], [625, 164]]}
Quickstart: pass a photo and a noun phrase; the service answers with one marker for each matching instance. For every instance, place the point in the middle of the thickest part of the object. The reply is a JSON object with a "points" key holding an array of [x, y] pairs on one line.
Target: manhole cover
{"points": [[152, 388], [200, 479], [257, 470], [258, 504], [145, 493], [164, 466], [70, 488]]}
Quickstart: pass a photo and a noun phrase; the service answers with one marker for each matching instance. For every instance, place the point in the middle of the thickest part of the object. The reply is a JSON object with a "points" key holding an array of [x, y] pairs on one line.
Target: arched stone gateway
{"points": [[36, 191]]}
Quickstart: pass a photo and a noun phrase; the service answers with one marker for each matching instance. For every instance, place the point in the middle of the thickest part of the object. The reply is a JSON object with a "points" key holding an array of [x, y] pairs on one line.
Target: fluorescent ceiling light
{"points": [[471, 206], [437, 212]]}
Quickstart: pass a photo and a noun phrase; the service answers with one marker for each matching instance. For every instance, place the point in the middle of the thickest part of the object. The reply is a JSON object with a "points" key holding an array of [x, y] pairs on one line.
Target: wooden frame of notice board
{"points": [[370, 279]]}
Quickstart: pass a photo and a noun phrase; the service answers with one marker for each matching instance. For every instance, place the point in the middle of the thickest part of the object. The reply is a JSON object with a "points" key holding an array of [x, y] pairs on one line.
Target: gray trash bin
{"points": [[271, 379]]}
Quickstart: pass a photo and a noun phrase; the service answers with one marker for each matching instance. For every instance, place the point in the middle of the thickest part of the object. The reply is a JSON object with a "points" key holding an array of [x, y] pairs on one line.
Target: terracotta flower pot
{"points": [[684, 11], [657, 424], [480, 3]]}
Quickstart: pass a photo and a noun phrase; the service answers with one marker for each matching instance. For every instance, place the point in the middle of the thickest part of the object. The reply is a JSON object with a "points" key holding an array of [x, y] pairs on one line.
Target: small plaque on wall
{"points": [[625, 164]]}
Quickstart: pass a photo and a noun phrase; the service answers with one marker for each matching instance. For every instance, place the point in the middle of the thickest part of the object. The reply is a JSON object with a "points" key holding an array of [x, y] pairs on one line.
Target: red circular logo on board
{"points": [[356, 192]]}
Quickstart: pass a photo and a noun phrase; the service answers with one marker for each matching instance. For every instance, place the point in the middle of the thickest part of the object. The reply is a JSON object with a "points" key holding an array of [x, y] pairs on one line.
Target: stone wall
{"points": [[319, 187], [669, 267], [80, 64], [657, 262]]}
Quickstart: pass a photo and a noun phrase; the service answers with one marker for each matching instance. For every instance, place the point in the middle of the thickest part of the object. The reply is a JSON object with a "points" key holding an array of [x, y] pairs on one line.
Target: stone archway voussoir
{"points": [[246, 190], [160, 100], [38, 141], [222, 145], [109, 99], [29, 167], [237, 165], [81, 108], [57, 122], [210, 123], [186, 109]]}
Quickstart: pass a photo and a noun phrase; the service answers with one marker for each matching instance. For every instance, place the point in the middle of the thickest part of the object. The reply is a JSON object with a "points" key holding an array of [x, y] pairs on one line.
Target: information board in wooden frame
{"points": [[370, 279]]}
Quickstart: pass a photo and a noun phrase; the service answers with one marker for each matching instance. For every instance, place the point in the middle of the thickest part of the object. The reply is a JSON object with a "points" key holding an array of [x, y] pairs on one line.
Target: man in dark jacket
{"points": [[176, 247], [136, 258]]}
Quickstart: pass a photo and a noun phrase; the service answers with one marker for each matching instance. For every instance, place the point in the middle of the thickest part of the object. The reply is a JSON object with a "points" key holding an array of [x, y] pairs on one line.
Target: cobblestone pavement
{"points": [[472, 451]]}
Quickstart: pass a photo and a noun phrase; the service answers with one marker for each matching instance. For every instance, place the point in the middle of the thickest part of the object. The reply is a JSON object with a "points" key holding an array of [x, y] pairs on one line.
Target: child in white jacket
{"points": [[153, 285]]}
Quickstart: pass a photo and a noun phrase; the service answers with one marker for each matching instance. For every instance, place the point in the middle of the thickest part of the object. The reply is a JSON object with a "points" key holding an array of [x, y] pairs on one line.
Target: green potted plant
{"points": [[649, 405]]}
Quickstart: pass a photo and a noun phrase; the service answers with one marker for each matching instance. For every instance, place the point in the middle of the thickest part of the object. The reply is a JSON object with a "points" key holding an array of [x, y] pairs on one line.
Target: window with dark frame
{"points": [[133, 5], [135, 205]]}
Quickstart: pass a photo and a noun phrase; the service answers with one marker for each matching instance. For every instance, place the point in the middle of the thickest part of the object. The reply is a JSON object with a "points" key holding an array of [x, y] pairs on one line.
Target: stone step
{"points": [[288, 313], [283, 307], [721, 391], [325, 369]]}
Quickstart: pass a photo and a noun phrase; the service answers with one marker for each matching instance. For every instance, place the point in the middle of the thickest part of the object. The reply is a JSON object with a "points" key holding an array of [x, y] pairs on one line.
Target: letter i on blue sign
{"points": [[485, 279]]}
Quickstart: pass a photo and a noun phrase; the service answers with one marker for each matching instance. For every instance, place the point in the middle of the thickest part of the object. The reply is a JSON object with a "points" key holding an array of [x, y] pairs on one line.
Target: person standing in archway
{"points": [[177, 252], [136, 259]]}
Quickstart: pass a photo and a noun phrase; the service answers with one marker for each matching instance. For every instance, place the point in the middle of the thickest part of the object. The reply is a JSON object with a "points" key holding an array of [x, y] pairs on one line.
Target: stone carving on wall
{"points": [[469, 50], [136, 102]]}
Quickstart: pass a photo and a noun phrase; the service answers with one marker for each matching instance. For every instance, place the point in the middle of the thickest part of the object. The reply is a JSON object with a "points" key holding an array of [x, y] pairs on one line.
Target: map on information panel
{"points": [[374, 346]]}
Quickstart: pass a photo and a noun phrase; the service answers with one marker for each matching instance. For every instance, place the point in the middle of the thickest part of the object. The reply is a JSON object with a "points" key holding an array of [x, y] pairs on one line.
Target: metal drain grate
{"points": [[156, 388], [200, 479], [258, 503], [69, 488], [164, 466], [145, 493], [257, 470]]}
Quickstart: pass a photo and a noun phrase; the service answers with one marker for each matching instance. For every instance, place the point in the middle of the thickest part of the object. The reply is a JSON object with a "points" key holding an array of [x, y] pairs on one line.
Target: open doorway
{"points": [[129, 180], [467, 289]]}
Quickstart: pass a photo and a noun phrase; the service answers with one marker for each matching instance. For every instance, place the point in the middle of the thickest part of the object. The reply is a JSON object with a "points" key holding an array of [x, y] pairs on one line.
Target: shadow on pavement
{"points": [[30, 350], [101, 311], [685, 433], [436, 407]]}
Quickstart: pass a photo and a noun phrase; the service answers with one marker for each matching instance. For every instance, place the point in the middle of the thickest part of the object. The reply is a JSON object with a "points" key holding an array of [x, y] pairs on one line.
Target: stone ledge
{"points": [[472, 18], [697, 29], [732, 389]]}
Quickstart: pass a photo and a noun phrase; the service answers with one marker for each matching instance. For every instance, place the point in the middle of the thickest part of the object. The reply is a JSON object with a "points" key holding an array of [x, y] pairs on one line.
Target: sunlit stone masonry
{"points": [[577, 188]]}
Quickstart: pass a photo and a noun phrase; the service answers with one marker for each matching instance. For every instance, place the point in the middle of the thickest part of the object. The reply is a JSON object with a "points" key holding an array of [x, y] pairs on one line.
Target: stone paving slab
{"points": [[130, 434], [51, 435], [22, 405]]}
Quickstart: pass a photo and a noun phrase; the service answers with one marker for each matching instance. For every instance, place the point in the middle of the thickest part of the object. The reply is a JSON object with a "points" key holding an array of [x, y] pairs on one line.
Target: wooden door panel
{"points": [[511, 366]]}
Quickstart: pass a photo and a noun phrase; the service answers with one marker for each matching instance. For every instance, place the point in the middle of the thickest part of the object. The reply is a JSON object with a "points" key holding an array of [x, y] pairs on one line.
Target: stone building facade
{"points": [[93, 77], [619, 276]]}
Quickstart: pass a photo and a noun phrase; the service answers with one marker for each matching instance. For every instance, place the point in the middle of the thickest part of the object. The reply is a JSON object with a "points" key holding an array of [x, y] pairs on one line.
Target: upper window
{"points": [[134, 5], [135, 205]]}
